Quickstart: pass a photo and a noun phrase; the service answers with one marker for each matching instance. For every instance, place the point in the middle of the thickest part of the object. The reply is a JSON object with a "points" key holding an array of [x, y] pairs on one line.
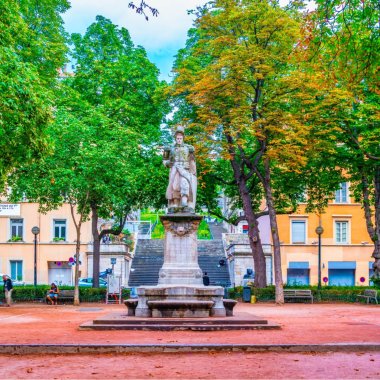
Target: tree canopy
{"points": [[32, 49]]}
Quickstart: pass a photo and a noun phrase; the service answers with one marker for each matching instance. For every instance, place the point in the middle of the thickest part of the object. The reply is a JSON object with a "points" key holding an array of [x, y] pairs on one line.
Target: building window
{"points": [[59, 229], [341, 232], [16, 270], [298, 231], [17, 229], [341, 195]]}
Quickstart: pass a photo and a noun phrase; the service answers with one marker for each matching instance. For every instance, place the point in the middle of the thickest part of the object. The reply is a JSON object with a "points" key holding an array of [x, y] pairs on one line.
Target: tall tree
{"points": [[245, 89], [117, 79], [342, 44]]}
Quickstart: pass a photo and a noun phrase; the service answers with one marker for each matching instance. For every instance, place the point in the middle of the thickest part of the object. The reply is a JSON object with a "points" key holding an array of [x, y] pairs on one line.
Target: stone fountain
{"points": [[180, 291], [179, 301]]}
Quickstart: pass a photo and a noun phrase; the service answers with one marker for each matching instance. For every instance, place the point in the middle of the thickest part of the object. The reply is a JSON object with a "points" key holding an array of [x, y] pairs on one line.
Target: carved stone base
{"points": [[180, 301], [180, 250]]}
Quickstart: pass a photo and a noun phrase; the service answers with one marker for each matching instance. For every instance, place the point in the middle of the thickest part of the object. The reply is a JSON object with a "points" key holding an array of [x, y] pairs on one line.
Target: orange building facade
{"points": [[346, 247], [54, 247]]}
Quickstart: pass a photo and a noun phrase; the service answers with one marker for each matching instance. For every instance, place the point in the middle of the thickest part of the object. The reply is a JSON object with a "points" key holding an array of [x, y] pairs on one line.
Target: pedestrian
{"points": [[206, 279], [8, 287], [52, 297]]}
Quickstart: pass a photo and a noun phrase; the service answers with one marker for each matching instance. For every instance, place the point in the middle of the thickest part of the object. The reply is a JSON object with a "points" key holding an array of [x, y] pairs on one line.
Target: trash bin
{"points": [[246, 294]]}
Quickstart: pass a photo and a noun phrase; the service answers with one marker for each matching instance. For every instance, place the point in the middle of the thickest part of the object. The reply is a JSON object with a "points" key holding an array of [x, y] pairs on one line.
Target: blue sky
{"points": [[161, 36]]}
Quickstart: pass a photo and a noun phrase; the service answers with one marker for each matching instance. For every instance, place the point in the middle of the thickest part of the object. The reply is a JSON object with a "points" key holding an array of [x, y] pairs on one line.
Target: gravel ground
{"points": [[301, 324]]}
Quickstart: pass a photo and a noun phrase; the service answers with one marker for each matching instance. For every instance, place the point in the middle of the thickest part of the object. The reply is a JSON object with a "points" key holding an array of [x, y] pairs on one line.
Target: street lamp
{"points": [[35, 232], [319, 232]]}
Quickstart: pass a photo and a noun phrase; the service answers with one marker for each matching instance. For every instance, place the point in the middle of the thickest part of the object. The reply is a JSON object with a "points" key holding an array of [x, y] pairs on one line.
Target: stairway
{"points": [[149, 258]]}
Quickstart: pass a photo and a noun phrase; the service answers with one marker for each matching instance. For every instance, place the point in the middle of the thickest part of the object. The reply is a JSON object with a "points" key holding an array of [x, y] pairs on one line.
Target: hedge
{"points": [[29, 293], [327, 293]]}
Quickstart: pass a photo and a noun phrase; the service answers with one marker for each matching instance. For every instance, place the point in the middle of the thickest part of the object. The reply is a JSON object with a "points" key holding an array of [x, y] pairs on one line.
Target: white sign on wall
{"points": [[10, 209]]}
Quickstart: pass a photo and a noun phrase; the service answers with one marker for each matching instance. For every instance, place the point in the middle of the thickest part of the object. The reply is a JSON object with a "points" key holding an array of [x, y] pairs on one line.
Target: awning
{"points": [[342, 264], [298, 265]]}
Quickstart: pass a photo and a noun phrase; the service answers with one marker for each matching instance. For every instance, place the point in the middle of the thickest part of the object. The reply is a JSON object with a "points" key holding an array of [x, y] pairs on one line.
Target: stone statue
{"points": [[182, 188]]}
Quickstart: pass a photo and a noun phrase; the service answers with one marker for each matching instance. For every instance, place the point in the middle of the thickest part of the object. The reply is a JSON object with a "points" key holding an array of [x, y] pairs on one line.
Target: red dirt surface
{"points": [[194, 366], [301, 324]]}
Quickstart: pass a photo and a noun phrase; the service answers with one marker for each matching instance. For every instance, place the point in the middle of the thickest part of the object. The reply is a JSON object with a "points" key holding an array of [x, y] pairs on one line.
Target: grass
{"points": [[159, 231]]}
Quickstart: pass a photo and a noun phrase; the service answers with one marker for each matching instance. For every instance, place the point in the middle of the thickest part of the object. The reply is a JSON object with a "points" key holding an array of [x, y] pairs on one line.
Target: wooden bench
{"points": [[63, 295], [298, 294], [368, 295]]}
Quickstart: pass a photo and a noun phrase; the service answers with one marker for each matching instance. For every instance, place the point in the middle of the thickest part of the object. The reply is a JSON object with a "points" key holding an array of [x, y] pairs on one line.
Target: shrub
{"points": [[376, 281], [204, 231], [327, 293], [29, 293]]}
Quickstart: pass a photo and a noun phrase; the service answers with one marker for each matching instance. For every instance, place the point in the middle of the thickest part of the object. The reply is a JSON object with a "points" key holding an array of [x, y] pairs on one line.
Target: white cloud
{"points": [[165, 33], [161, 36]]}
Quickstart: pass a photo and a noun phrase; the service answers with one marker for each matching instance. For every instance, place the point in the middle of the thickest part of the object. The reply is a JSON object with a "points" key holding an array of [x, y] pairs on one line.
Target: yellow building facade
{"points": [[54, 247], [346, 247]]}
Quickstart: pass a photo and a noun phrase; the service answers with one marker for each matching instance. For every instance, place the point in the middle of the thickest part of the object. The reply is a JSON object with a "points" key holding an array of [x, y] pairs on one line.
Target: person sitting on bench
{"points": [[52, 297]]}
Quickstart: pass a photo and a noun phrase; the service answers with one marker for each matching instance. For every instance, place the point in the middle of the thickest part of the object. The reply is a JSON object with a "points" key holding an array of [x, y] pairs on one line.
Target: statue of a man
{"points": [[182, 189]]}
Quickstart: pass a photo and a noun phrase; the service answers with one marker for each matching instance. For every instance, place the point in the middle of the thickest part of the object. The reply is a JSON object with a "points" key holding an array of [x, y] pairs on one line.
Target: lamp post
{"points": [[319, 232], [35, 232]]}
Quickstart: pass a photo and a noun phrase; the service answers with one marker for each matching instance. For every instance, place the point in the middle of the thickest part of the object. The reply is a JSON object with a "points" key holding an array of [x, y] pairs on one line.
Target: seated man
{"points": [[52, 296]]}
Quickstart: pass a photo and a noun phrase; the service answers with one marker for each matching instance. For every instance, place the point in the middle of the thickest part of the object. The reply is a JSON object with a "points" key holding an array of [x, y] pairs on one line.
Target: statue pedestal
{"points": [[180, 250], [180, 292]]}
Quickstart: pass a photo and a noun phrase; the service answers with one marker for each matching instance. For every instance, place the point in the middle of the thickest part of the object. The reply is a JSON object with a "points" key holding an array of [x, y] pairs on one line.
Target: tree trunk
{"points": [[275, 237], [253, 229], [254, 239], [76, 274], [373, 230], [376, 237], [96, 247]]}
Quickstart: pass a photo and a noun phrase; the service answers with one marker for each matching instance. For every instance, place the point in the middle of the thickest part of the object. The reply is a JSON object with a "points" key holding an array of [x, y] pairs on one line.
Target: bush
{"points": [[327, 294], [376, 281], [204, 231], [30, 293]]}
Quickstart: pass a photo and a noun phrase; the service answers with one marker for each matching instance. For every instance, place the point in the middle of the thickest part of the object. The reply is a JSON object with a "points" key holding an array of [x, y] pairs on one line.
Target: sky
{"points": [[161, 36]]}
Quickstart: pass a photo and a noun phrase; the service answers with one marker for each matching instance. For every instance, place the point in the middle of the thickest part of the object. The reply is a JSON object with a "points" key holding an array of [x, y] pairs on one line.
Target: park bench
{"points": [[290, 294], [64, 295], [368, 295]]}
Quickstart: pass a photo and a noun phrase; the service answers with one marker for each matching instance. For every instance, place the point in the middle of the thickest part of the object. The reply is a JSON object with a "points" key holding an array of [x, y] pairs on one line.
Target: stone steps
{"points": [[149, 258], [121, 322], [194, 327]]}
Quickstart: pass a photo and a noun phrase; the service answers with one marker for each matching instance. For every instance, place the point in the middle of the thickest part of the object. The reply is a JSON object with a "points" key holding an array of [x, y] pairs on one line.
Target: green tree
{"points": [[30, 56], [342, 45], [246, 90], [117, 79]]}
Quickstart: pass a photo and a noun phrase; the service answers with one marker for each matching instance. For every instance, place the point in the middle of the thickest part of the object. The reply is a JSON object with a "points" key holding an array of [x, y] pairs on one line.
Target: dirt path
{"points": [[301, 324], [193, 366]]}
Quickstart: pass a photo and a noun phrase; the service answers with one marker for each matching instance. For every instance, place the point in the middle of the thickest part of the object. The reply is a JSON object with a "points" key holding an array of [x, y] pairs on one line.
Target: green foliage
{"points": [[32, 49], [327, 294], [158, 231], [58, 239], [204, 231], [376, 281], [30, 293], [15, 238], [343, 51]]}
